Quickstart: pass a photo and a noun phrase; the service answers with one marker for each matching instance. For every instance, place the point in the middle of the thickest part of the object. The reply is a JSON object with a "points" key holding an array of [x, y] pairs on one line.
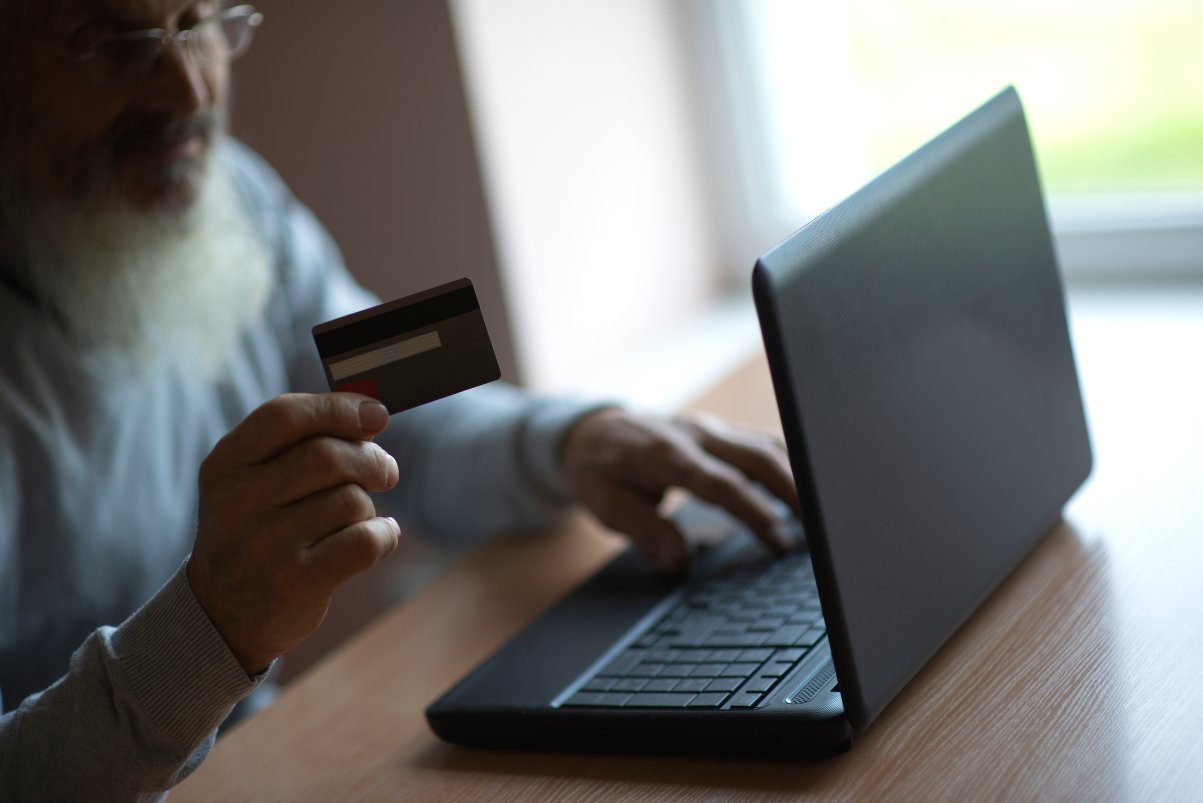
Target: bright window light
{"points": [[1111, 88]]}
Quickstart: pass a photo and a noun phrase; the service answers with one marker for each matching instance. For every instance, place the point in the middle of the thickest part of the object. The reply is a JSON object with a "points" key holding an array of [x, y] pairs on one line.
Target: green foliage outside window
{"points": [[1113, 90]]}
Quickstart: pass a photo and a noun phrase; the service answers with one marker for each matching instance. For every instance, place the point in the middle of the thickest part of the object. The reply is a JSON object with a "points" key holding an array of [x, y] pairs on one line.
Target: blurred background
{"points": [[607, 171]]}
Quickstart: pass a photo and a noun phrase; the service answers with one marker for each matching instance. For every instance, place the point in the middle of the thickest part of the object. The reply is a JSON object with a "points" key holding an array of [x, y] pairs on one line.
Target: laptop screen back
{"points": [[920, 355]]}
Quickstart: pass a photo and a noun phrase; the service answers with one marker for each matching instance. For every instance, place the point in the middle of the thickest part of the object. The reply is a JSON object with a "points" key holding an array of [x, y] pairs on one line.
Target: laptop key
{"points": [[600, 684], [658, 700], [724, 684], [739, 670], [660, 684], [786, 636], [693, 684], [760, 684], [696, 657], [678, 670], [745, 640], [744, 700], [758, 655], [777, 668], [810, 637], [708, 700], [708, 670], [724, 656], [694, 632], [624, 663], [596, 698], [629, 684]]}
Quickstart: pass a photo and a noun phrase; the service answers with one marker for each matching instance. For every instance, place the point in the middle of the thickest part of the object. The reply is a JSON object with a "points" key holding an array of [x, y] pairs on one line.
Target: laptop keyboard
{"points": [[726, 643]]}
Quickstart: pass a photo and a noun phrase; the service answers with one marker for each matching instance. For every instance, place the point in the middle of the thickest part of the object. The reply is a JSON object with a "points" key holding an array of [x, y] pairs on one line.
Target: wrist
{"points": [[578, 432], [252, 662]]}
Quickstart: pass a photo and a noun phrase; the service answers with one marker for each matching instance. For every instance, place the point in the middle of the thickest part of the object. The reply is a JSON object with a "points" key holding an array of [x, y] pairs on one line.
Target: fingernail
{"points": [[373, 416]]}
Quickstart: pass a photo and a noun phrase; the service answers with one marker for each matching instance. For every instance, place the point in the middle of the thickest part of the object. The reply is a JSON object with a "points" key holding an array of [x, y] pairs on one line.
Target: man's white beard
{"points": [[136, 289]]}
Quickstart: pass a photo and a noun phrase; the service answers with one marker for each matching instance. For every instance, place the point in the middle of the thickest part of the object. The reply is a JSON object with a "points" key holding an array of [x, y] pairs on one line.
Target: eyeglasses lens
{"points": [[218, 39], [131, 58]]}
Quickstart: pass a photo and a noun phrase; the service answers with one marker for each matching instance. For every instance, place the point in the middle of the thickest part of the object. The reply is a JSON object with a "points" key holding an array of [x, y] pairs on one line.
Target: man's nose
{"points": [[177, 85]]}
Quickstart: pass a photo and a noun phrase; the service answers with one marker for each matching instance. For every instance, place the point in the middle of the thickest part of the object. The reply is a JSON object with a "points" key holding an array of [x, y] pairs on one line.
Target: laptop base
{"points": [[508, 703]]}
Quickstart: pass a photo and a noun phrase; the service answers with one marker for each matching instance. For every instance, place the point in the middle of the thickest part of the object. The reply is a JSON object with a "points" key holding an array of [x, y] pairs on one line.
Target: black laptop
{"points": [[920, 356]]}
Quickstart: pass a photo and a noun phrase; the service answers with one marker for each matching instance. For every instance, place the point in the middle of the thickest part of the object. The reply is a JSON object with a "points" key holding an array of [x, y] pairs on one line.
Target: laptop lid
{"points": [[917, 340]]}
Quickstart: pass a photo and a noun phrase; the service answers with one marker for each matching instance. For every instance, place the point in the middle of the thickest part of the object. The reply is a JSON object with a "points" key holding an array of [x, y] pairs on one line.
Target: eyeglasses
{"points": [[130, 57]]}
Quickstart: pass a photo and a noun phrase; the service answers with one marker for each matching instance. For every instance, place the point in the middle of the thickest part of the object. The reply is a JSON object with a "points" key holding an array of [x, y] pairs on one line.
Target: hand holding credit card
{"points": [[410, 351]]}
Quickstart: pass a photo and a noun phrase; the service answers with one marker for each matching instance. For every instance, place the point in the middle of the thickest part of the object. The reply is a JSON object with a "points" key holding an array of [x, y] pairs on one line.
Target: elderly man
{"points": [[157, 287]]}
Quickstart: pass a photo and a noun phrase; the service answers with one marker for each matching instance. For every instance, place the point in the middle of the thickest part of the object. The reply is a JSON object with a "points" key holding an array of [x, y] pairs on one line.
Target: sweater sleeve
{"points": [[482, 462], [136, 712], [479, 463]]}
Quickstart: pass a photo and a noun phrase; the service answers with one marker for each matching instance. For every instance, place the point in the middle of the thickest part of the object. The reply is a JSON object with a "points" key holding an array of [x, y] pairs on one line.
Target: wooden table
{"points": [[1081, 678]]}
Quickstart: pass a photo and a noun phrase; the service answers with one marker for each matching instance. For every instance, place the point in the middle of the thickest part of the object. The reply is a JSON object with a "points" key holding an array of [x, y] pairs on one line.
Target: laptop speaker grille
{"points": [[816, 684]]}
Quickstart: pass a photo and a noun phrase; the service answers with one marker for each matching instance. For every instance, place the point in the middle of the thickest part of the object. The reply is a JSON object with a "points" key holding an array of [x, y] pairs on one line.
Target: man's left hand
{"points": [[620, 466]]}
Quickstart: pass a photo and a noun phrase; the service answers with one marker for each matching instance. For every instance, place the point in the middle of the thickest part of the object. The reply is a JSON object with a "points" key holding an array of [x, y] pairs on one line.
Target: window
{"points": [[1111, 89]]}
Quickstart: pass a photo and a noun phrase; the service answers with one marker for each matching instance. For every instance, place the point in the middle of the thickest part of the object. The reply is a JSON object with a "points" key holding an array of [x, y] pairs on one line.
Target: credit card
{"points": [[410, 351]]}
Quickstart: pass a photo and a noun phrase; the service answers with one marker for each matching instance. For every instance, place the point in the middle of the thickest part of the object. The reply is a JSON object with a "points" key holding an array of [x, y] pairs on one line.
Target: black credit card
{"points": [[410, 351]]}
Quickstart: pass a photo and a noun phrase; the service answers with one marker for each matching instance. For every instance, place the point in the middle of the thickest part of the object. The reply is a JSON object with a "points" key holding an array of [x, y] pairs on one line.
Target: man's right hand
{"points": [[285, 518]]}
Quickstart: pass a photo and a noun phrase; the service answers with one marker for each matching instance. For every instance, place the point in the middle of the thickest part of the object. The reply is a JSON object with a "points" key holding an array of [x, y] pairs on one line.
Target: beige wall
{"points": [[597, 174], [360, 106]]}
